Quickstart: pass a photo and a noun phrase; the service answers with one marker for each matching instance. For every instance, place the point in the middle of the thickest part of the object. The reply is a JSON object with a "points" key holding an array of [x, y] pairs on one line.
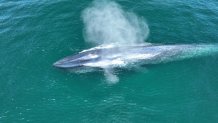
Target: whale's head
{"points": [[78, 60]]}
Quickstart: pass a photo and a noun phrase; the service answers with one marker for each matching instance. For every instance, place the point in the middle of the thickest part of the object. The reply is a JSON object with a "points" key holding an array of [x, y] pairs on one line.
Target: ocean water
{"points": [[34, 34]]}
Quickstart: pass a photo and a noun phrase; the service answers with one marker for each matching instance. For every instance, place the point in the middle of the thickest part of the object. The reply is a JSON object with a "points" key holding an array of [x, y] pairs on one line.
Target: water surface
{"points": [[34, 34]]}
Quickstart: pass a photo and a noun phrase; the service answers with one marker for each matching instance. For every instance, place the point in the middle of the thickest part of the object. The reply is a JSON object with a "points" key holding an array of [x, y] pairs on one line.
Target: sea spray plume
{"points": [[106, 22]]}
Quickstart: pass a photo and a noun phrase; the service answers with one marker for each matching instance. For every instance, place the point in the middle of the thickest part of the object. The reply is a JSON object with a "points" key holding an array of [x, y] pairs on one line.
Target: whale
{"points": [[117, 56]]}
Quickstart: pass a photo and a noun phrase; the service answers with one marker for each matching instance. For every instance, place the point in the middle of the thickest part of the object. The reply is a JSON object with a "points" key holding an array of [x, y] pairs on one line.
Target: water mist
{"points": [[106, 23]]}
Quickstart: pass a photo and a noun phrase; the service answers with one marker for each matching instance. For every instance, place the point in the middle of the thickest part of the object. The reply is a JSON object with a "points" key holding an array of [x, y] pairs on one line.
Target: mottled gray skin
{"points": [[156, 54]]}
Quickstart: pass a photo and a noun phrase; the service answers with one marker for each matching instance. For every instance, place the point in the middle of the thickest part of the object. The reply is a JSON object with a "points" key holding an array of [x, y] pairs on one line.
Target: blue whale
{"points": [[112, 56]]}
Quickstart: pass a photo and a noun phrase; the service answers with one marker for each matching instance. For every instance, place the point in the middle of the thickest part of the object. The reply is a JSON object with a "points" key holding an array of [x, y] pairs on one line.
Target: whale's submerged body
{"points": [[112, 56]]}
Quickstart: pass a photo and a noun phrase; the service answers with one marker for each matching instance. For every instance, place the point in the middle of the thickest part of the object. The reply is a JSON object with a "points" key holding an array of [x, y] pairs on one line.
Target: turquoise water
{"points": [[34, 34]]}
